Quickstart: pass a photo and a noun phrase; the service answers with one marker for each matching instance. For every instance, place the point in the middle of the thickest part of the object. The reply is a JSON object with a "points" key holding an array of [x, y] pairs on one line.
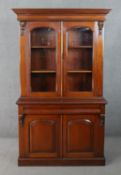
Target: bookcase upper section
{"points": [[61, 52]]}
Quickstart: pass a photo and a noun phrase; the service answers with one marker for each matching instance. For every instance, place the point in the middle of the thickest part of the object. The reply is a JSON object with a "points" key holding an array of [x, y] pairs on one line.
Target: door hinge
{"points": [[21, 120]]}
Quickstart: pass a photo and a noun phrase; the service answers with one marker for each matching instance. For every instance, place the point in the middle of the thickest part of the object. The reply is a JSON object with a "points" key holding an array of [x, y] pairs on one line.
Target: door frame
{"points": [[94, 29], [27, 56]]}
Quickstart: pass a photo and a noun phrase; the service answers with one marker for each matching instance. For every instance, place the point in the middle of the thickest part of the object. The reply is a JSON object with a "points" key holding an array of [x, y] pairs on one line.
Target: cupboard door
{"points": [[82, 136], [79, 59], [43, 53], [43, 136]]}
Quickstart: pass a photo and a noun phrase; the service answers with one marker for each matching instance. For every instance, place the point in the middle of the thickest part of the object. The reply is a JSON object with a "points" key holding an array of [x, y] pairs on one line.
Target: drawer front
{"points": [[62, 109]]}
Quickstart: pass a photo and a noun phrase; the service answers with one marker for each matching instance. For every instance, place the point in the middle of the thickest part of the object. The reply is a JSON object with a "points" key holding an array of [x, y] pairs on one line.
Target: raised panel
{"points": [[79, 139], [42, 136], [44, 133], [80, 135]]}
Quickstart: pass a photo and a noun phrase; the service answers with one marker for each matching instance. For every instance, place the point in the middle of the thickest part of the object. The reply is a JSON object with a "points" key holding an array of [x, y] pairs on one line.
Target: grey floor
{"points": [[9, 152]]}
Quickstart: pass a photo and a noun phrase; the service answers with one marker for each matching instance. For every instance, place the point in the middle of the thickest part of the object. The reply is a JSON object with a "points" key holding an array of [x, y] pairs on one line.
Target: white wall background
{"points": [[9, 59]]}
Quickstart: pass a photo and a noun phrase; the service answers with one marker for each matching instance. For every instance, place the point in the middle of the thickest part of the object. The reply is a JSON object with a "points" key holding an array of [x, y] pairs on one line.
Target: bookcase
{"points": [[61, 109]]}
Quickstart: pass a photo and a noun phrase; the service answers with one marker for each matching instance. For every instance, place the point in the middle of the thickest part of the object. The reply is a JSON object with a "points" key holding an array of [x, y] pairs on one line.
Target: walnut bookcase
{"points": [[61, 108]]}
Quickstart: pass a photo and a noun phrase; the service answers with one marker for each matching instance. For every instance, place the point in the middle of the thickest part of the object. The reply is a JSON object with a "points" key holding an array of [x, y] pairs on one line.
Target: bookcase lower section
{"points": [[61, 133], [60, 162]]}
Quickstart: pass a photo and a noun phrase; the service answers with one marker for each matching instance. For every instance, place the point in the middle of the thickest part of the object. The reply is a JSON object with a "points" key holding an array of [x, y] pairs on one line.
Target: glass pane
{"points": [[43, 60], [80, 82], [79, 59], [80, 37], [43, 82], [43, 37]]}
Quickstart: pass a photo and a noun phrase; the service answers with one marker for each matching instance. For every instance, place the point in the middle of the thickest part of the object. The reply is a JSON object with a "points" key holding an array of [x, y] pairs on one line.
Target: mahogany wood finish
{"points": [[61, 108]]}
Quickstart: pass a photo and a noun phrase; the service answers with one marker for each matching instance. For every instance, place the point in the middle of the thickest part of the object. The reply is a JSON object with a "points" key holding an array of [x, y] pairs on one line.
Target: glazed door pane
{"points": [[44, 58], [78, 58]]}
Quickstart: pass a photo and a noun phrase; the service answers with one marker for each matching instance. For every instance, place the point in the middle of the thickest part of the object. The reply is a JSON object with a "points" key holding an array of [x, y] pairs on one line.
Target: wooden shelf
{"points": [[42, 71], [43, 47], [80, 47], [79, 71]]}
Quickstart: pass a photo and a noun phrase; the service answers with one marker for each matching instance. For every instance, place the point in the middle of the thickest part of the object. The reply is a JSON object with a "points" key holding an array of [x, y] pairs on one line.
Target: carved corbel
{"points": [[22, 27], [102, 119], [21, 120], [100, 26]]}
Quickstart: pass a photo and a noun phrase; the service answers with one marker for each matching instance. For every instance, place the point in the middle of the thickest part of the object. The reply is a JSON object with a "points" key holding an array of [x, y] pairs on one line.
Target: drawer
{"points": [[62, 109]]}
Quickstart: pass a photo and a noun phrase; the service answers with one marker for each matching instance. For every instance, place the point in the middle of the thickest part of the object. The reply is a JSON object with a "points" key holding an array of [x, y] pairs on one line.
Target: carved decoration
{"points": [[102, 119], [22, 27], [21, 120], [100, 26]]}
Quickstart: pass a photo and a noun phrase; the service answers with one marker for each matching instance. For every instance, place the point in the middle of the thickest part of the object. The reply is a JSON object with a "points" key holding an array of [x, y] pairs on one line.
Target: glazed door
{"points": [[80, 59], [43, 57], [42, 136], [82, 136]]}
